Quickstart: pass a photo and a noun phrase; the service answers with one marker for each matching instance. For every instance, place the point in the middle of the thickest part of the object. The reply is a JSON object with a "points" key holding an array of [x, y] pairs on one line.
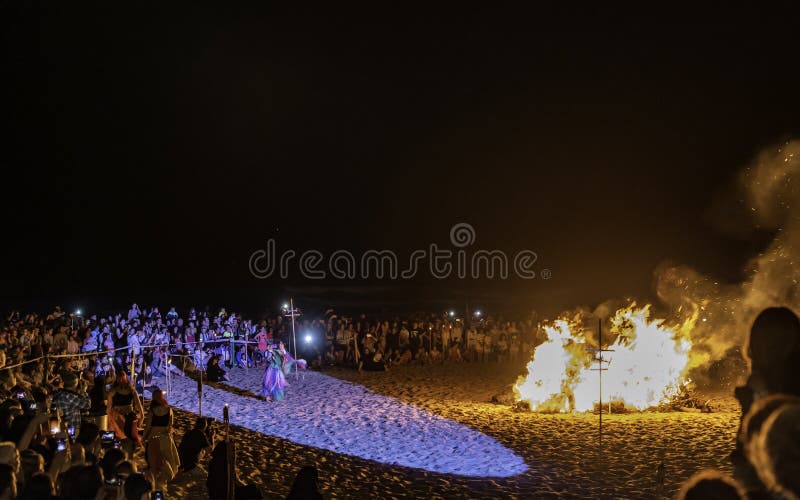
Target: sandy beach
{"points": [[432, 432]]}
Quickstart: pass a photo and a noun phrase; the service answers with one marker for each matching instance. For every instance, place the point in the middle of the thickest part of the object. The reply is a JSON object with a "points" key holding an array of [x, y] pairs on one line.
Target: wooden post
{"points": [[200, 393], [230, 456]]}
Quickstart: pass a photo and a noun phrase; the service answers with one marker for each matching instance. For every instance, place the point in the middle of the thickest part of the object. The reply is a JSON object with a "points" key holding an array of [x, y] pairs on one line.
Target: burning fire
{"points": [[648, 365]]}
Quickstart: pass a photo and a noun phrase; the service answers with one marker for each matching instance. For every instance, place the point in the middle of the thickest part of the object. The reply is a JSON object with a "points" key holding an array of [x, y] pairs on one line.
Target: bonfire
{"points": [[646, 367]]}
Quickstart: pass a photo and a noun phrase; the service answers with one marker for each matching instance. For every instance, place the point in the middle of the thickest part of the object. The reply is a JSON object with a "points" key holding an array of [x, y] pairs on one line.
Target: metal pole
{"points": [[294, 337], [600, 374]]}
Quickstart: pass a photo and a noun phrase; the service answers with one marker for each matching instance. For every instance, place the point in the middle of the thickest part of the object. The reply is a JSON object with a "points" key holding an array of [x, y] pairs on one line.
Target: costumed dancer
{"points": [[274, 381], [279, 364]]}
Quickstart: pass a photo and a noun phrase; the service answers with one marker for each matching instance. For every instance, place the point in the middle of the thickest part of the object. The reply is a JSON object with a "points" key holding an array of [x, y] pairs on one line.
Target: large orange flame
{"points": [[648, 365]]}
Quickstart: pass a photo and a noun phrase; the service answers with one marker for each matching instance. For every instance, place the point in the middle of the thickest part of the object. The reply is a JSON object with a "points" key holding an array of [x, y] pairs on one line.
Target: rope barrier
{"points": [[231, 341], [22, 363]]}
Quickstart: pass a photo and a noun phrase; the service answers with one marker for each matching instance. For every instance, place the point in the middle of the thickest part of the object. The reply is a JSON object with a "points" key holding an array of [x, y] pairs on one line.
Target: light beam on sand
{"points": [[328, 413]]}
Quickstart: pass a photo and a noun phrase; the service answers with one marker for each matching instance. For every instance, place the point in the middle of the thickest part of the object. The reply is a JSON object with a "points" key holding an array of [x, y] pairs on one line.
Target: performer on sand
{"points": [[279, 364]]}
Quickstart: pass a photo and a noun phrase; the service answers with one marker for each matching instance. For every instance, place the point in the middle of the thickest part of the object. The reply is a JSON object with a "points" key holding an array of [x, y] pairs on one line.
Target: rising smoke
{"points": [[765, 197]]}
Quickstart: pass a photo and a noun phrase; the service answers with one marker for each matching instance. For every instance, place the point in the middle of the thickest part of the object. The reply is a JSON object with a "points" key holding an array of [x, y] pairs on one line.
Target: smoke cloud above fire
{"points": [[703, 323], [765, 197]]}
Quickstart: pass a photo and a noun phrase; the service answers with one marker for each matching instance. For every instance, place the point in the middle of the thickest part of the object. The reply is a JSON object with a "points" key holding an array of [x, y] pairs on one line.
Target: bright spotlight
{"points": [[285, 305], [452, 313], [478, 314], [78, 312], [308, 339]]}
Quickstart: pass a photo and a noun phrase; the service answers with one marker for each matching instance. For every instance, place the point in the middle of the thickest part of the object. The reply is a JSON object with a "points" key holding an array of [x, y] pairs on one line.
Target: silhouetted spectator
{"points": [[711, 485], [8, 482], [193, 443], [214, 372], [89, 438], [306, 485], [110, 461], [217, 482], [773, 355], [98, 412], [38, 487], [776, 452], [137, 485], [82, 482], [755, 419]]}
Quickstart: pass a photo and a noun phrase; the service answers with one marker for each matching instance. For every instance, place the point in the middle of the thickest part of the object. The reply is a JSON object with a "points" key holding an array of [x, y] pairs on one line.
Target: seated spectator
{"points": [[126, 469], [374, 362], [82, 482], [136, 487], [8, 482], [38, 487], [89, 439], [305, 485], [776, 452], [217, 482], [773, 354], [214, 372], [31, 463], [711, 485], [193, 444], [108, 464], [9, 455]]}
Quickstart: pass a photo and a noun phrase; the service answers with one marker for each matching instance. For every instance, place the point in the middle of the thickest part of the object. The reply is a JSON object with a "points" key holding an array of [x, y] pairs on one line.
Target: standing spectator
{"points": [[124, 410], [513, 348], [98, 411], [161, 452], [134, 312], [72, 399], [502, 348]]}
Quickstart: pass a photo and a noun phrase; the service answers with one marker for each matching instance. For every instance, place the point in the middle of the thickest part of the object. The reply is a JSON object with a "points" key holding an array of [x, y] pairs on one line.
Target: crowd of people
{"points": [[74, 422], [376, 344], [74, 416]]}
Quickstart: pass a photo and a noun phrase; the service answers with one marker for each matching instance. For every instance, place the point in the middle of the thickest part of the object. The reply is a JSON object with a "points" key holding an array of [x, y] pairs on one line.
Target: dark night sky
{"points": [[149, 151]]}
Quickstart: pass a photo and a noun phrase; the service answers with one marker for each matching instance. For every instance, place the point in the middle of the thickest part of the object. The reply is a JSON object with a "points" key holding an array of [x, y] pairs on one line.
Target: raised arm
{"points": [[33, 426]]}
